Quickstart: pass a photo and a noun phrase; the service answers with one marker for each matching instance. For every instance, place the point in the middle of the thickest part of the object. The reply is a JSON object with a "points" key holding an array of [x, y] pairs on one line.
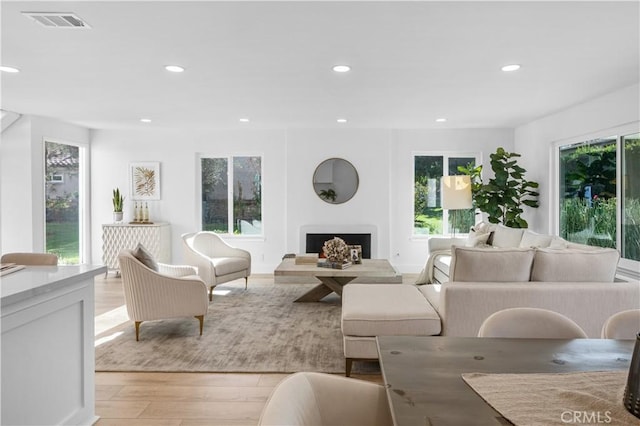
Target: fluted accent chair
{"points": [[42, 259], [530, 323], [318, 399], [624, 325], [217, 261], [170, 292]]}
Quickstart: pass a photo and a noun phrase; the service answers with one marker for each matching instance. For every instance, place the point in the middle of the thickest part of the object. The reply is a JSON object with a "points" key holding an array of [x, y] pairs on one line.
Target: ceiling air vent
{"points": [[57, 19]]}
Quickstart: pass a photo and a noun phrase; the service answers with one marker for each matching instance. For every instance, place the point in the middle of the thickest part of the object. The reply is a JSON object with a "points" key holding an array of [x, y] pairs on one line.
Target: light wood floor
{"points": [[186, 399]]}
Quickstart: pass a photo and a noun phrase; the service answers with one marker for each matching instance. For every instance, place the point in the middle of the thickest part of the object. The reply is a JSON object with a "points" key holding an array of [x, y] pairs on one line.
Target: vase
{"points": [[117, 216], [632, 390]]}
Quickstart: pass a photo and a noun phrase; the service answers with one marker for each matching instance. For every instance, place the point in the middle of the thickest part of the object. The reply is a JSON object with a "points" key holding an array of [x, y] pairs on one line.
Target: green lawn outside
{"points": [[63, 241]]}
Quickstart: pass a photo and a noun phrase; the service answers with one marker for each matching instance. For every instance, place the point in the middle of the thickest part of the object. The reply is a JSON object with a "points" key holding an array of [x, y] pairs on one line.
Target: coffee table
{"points": [[333, 280]]}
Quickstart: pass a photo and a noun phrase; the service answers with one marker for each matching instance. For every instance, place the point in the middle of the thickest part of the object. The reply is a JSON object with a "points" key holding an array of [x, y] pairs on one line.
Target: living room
{"points": [[412, 63]]}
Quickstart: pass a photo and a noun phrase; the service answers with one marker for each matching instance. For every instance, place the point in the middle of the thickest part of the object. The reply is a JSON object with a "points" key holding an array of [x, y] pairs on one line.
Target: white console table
{"points": [[48, 354], [118, 236]]}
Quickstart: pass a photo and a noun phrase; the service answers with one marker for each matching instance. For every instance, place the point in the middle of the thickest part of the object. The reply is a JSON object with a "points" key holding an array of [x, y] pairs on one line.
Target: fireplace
{"points": [[312, 237]]}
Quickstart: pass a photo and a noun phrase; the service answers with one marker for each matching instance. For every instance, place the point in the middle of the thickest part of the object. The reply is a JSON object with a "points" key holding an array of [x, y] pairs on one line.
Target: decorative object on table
{"points": [[145, 181], [355, 254], [506, 193], [326, 263], [336, 250], [141, 214], [632, 390], [456, 195], [118, 201], [306, 259]]}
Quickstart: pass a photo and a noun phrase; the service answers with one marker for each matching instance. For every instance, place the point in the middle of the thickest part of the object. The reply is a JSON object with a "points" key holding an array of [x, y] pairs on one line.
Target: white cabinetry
{"points": [[115, 237]]}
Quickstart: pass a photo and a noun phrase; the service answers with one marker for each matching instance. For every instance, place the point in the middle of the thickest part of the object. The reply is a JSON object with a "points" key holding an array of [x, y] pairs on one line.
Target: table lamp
{"points": [[455, 194]]}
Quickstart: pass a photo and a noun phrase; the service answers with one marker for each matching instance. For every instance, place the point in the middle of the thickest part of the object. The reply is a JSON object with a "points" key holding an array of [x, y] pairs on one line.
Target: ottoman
{"points": [[382, 310]]}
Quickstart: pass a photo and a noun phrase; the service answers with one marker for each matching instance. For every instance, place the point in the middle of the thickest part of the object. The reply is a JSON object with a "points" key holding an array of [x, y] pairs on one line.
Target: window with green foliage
{"points": [[429, 218], [232, 195], [600, 195]]}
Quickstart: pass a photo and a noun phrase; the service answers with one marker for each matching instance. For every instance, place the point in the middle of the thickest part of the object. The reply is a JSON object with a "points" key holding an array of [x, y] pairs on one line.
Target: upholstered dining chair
{"points": [[33, 259], [217, 261], [624, 325], [318, 399], [532, 323], [171, 291]]}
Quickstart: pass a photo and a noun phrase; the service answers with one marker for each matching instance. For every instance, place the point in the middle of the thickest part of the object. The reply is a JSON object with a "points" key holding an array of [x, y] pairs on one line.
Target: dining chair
{"points": [[319, 399], [624, 325], [32, 259], [532, 323]]}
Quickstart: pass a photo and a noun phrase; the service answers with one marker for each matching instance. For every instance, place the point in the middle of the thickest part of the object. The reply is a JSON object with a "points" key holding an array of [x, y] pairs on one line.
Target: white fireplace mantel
{"points": [[340, 229]]}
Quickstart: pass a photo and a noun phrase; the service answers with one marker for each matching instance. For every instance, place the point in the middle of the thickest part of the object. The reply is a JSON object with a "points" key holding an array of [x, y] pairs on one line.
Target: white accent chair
{"points": [[217, 261], [317, 399], [530, 323], [41, 259], [171, 292], [624, 325]]}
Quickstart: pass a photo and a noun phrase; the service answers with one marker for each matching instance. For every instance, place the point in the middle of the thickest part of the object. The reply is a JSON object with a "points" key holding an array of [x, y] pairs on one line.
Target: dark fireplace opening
{"points": [[316, 241]]}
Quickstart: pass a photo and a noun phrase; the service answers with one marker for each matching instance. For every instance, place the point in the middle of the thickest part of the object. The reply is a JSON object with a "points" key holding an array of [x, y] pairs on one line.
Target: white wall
{"points": [[588, 120], [22, 178]]}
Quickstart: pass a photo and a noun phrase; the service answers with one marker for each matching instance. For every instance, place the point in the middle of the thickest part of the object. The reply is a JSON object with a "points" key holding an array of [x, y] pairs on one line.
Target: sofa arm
{"points": [[443, 243], [464, 306]]}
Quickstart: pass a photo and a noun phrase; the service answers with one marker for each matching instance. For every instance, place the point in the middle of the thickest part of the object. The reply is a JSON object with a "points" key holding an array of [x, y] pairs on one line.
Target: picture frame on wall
{"points": [[355, 254], [145, 180]]}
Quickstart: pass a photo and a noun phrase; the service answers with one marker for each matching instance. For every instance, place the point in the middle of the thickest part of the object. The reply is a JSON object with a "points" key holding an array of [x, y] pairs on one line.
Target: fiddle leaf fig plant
{"points": [[505, 195]]}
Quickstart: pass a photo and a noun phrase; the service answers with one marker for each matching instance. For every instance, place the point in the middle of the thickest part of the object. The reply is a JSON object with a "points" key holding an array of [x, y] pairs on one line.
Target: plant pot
{"points": [[117, 216]]}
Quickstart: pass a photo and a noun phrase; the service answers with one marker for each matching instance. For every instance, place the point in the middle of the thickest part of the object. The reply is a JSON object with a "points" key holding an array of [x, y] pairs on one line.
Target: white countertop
{"points": [[35, 280]]}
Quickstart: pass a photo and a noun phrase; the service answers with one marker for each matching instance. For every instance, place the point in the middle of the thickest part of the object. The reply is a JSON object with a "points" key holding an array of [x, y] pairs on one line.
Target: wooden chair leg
{"points": [[138, 330], [201, 319], [348, 365], [246, 281], [211, 294]]}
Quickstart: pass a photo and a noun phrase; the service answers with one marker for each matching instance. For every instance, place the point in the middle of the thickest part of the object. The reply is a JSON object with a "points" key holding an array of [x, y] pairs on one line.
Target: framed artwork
{"points": [[355, 254], [145, 180]]}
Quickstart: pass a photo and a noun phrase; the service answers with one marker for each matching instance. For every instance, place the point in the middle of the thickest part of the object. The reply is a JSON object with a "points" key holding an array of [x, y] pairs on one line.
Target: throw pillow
{"points": [[507, 237], [476, 239], [558, 243], [532, 239], [146, 258], [490, 265], [572, 265]]}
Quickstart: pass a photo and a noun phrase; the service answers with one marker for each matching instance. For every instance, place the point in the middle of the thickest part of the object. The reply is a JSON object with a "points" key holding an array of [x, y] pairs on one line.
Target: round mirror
{"points": [[335, 180]]}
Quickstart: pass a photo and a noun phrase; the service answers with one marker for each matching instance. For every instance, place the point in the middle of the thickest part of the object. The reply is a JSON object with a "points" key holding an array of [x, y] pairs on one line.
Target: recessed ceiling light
{"points": [[341, 68], [512, 67], [341, 120], [174, 68], [9, 69], [145, 120], [441, 120], [244, 120]]}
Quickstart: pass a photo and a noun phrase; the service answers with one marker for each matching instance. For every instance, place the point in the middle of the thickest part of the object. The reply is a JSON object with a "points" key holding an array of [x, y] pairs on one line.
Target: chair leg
{"points": [[138, 330], [201, 319], [246, 281], [348, 364], [211, 294]]}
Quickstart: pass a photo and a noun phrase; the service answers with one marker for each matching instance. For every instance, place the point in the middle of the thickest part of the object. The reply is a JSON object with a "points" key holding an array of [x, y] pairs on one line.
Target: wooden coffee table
{"points": [[333, 280]]}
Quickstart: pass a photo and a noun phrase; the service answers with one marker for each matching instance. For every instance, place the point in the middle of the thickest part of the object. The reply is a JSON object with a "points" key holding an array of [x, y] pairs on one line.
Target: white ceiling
{"points": [[412, 62]]}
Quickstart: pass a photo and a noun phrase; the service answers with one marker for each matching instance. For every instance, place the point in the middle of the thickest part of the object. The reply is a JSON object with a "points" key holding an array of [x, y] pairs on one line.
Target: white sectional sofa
{"points": [[574, 280]]}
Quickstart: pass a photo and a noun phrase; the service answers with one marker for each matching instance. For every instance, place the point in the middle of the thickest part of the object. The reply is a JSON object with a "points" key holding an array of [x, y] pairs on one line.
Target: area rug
{"points": [[259, 330]]}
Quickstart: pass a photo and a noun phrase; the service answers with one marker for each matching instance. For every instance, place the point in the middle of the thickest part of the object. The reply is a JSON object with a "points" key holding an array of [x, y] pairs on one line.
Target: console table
{"points": [[118, 236]]}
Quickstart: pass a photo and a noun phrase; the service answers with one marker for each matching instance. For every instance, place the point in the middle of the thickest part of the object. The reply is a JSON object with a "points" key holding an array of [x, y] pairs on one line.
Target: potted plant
{"points": [[328, 194], [506, 193], [118, 201]]}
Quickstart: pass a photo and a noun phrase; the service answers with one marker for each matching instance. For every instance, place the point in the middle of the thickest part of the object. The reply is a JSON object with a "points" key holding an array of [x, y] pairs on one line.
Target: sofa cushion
{"points": [[146, 258], [432, 294], [229, 265], [490, 265], [532, 239], [575, 265], [506, 237], [387, 309], [476, 239]]}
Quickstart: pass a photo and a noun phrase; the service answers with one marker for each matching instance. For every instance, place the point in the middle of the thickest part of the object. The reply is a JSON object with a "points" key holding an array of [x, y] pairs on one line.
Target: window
{"points": [[599, 193], [232, 195], [429, 217]]}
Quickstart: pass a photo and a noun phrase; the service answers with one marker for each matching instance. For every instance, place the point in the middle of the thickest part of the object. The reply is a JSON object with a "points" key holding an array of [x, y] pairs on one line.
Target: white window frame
{"points": [[445, 161], [229, 158], [626, 267]]}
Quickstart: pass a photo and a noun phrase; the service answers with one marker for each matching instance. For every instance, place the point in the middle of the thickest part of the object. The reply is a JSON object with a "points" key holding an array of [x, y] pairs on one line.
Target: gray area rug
{"points": [[258, 330]]}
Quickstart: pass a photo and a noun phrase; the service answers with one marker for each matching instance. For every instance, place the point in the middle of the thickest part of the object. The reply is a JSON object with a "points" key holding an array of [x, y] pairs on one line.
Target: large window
{"points": [[429, 218], [599, 193], [232, 195]]}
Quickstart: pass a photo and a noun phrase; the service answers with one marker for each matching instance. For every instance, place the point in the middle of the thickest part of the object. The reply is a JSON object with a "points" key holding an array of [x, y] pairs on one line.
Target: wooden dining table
{"points": [[423, 375]]}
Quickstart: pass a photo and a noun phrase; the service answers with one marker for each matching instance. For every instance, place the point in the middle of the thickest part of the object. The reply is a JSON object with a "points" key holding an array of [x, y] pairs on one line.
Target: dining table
{"points": [[424, 380]]}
